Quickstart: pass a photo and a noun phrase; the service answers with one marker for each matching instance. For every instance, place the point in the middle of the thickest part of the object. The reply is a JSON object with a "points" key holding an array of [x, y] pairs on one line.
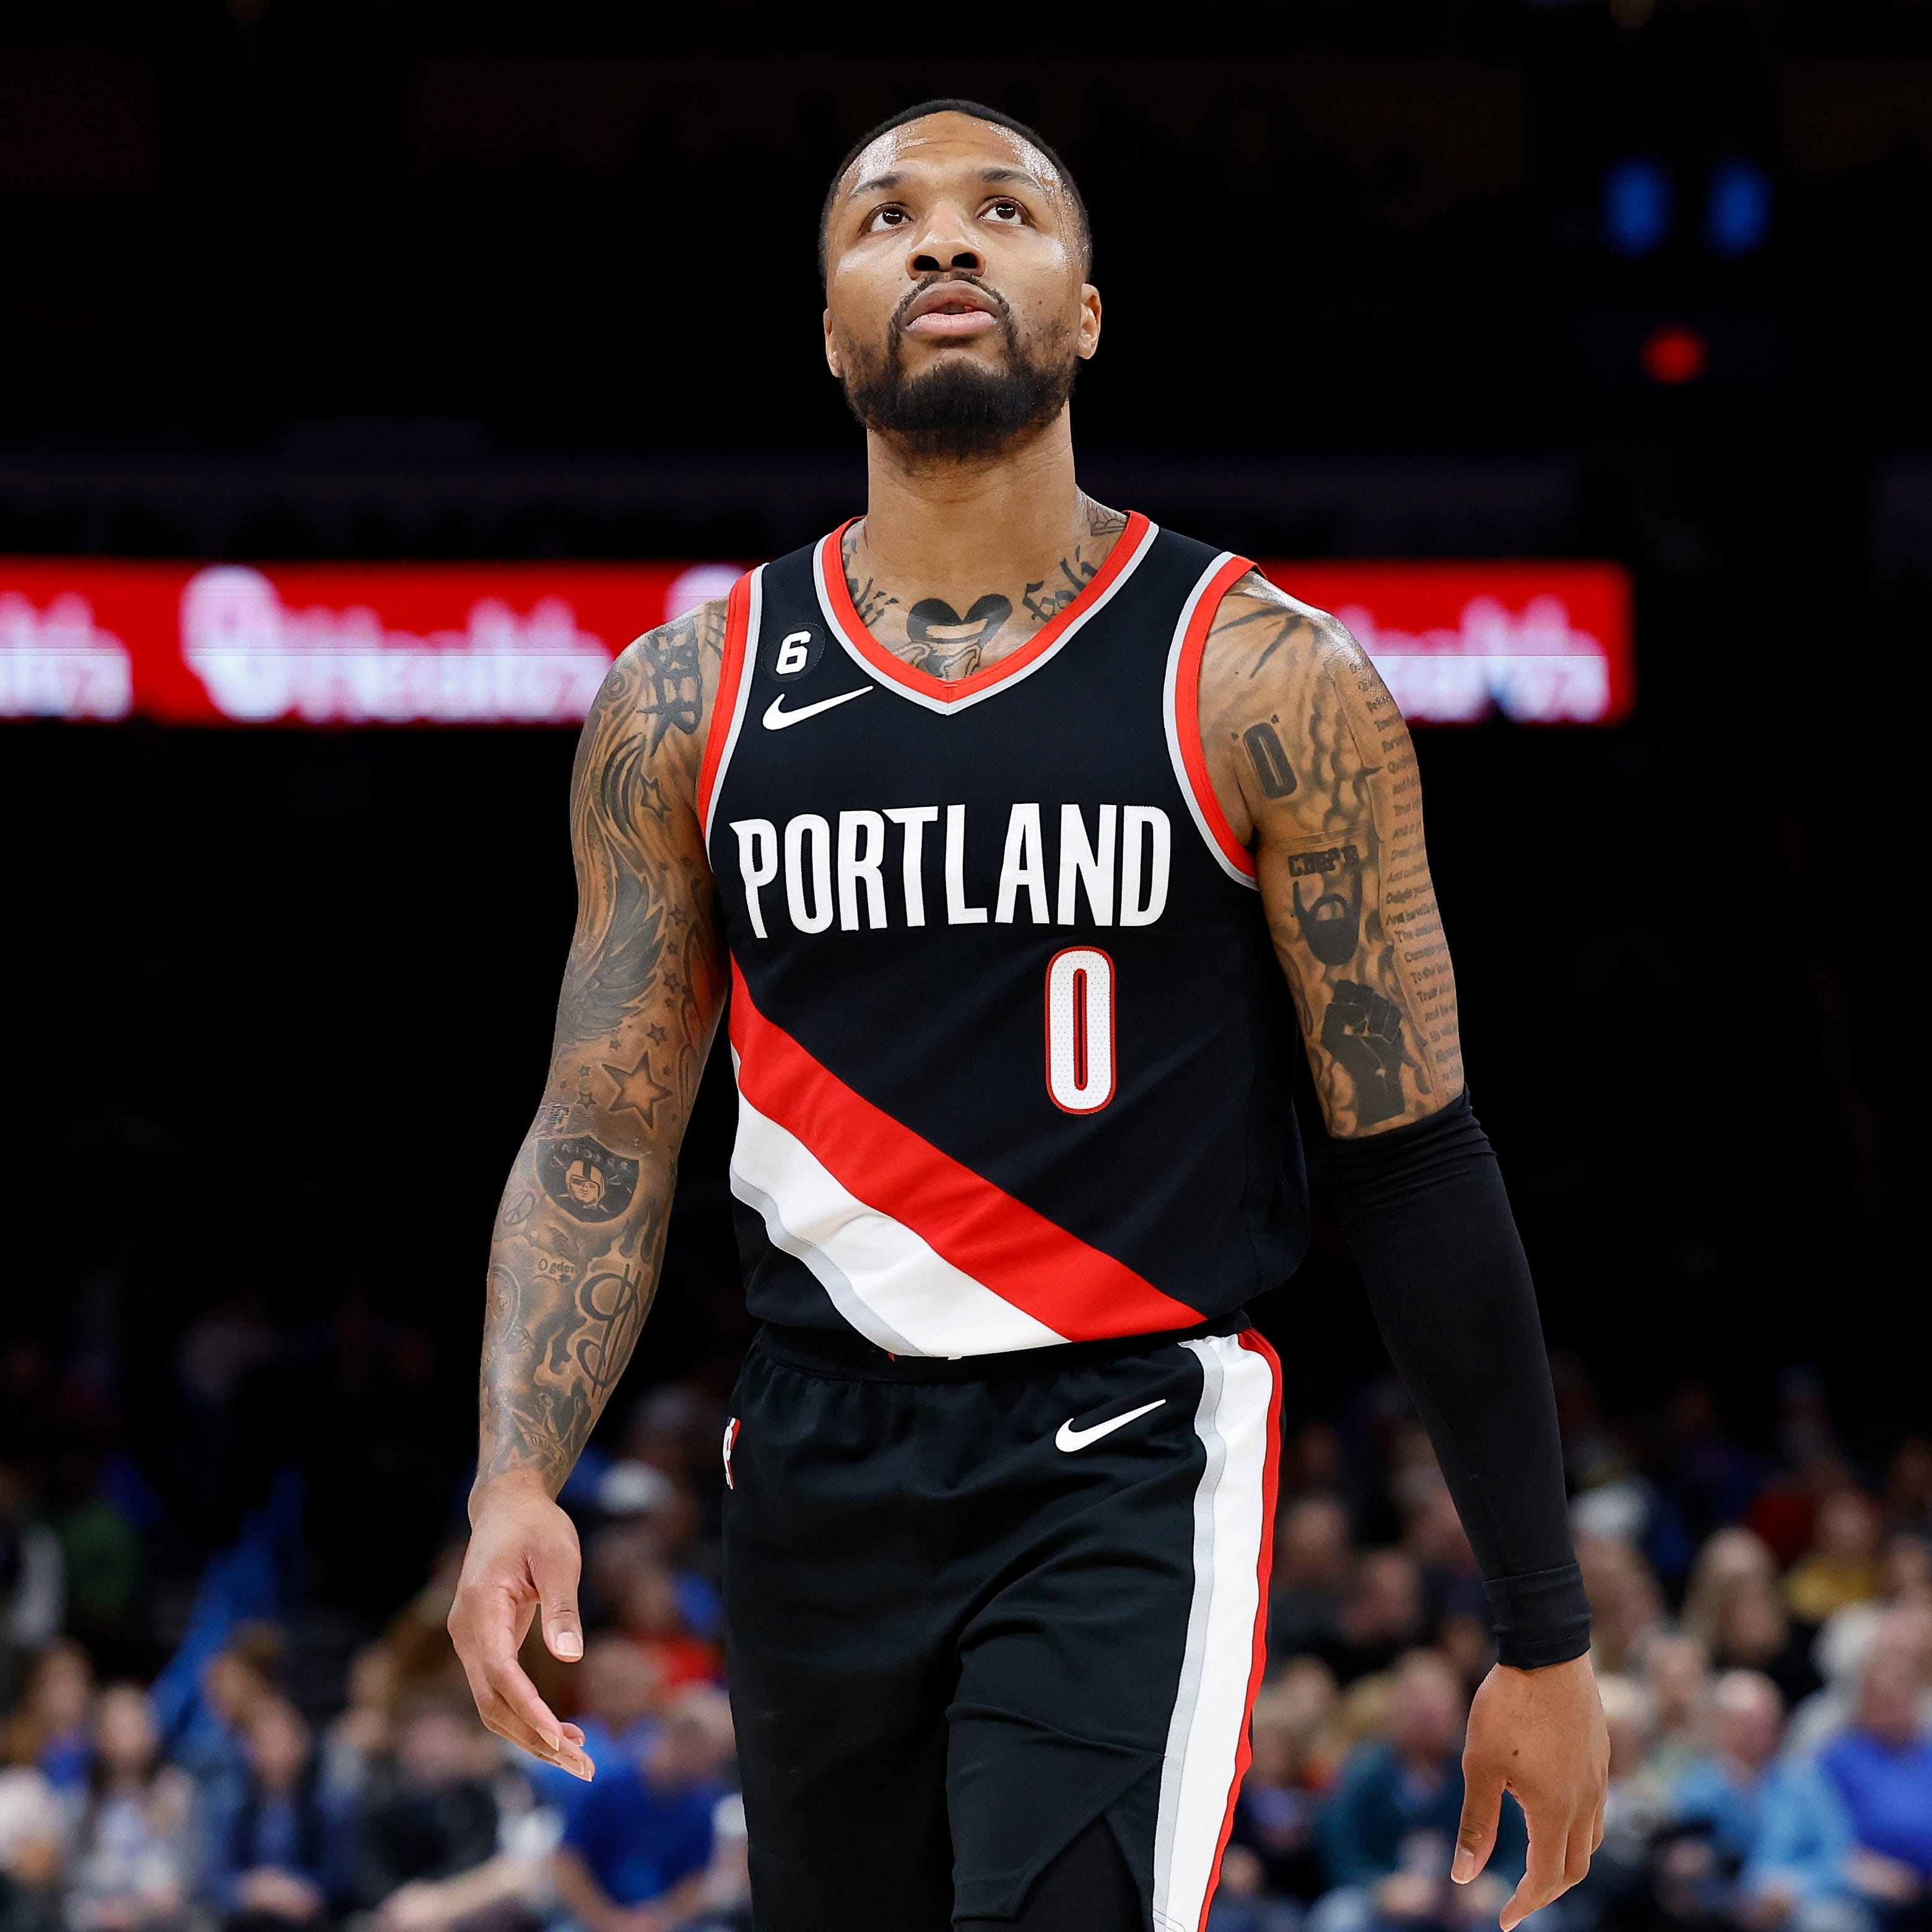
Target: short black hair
{"points": [[978, 111]]}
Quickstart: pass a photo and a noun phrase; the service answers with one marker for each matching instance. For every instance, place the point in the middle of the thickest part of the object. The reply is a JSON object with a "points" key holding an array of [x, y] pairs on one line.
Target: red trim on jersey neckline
{"points": [[730, 674], [1187, 713], [1253, 1340], [1127, 546], [1077, 1290]]}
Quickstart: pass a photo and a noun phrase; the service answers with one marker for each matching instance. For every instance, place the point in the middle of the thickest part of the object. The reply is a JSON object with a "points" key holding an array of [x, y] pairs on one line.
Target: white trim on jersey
{"points": [[1210, 1711], [883, 1277], [1169, 717], [754, 602], [946, 707]]}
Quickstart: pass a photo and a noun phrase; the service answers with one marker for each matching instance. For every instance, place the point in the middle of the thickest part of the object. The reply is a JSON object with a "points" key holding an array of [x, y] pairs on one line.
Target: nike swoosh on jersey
{"points": [[777, 717], [1070, 1438]]}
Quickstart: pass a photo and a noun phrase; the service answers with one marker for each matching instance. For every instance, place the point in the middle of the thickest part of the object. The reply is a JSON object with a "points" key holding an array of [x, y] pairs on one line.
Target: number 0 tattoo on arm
{"points": [[1305, 731], [580, 1232]]}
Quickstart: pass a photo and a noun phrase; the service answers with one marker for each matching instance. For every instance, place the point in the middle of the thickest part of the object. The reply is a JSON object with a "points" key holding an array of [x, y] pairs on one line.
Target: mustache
{"points": [[963, 276]]}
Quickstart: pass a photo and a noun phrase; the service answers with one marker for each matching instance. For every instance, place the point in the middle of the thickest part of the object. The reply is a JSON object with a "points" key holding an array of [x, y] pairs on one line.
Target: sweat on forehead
{"points": [[907, 136]]}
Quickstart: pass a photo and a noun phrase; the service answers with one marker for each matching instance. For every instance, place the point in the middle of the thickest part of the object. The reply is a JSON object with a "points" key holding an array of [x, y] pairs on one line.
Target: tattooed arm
{"points": [[1313, 766], [581, 1232]]}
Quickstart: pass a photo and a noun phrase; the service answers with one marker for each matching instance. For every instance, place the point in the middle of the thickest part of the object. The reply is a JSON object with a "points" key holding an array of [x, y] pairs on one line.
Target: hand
{"points": [[523, 1555], [1878, 1876], [1768, 1909], [1540, 1735], [281, 1895], [1409, 1894], [415, 1907]]}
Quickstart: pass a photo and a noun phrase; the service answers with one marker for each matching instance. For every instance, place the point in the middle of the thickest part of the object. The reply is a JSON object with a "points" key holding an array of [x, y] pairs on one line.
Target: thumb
{"points": [[555, 1573], [1476, 1834]]}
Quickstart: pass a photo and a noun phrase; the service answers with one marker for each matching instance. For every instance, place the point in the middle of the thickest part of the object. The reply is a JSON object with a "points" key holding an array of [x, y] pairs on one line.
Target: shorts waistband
{"points": [[823, 1351]]}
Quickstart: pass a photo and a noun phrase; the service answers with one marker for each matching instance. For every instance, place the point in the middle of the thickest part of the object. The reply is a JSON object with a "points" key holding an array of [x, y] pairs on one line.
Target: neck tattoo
{"points": [[932, 636]]}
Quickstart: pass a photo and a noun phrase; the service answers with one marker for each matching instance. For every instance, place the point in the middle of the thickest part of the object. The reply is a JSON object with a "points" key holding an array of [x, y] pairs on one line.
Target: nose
{"points": [[945, 241]]}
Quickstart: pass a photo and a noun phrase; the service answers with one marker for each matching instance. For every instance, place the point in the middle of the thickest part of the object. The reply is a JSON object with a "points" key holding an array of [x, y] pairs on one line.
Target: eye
{"points": [[887, 216], [1006, 211]]}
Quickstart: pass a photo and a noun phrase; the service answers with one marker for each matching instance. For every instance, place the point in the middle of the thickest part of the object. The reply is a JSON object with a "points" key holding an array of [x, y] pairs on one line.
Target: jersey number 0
{"points": [[1080, 1029]]}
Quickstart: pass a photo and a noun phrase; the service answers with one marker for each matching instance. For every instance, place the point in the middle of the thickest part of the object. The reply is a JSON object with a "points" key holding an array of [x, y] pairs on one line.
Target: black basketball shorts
{"points": [[973, 1607]]}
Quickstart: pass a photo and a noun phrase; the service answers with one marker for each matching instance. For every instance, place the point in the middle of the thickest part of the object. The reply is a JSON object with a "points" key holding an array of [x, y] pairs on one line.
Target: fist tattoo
{"points": [[1362, 1032]]}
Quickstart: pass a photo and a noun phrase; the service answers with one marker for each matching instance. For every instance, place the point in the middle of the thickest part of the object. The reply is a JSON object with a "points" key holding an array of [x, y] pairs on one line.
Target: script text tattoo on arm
{"points": [[1302, 734], [581, 1232]]}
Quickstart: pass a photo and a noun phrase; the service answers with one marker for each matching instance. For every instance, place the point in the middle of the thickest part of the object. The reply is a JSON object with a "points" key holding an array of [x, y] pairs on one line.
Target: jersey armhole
{"points": [[734, 687], [1182, 715]]}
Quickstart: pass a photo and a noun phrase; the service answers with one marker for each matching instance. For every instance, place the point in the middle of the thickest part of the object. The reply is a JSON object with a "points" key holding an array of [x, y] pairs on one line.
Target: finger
{"points": [[503, 1719], [1597, 1830], [1542, 1876], [1476, 1832], [1576, 1857], [512, 1695], [506, 1691], [554, 1571]]}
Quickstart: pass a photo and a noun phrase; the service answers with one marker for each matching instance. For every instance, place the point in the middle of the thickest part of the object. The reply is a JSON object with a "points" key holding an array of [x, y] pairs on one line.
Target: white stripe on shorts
{"points": [[1210, 1712]]}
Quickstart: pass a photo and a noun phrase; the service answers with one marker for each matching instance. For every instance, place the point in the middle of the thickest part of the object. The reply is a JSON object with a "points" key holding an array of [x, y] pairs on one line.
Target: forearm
{"points": [[573, 1267], [581, 1232], [1426, 1216]]}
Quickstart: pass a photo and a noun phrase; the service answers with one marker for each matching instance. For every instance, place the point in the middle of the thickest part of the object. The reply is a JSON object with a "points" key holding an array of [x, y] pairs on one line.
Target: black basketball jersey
{"points": [[1013, 1051]]}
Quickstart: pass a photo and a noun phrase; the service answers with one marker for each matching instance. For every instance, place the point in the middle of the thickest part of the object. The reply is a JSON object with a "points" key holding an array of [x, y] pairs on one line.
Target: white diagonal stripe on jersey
{"points": [[1210, 1711], [883, 1277]]}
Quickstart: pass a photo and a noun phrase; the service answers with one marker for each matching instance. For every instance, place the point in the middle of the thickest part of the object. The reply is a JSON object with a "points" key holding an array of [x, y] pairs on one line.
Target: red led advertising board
{"points": [[528, 644]]}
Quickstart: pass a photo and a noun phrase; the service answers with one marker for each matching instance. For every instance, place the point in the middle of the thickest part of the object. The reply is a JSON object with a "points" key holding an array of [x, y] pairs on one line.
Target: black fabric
{"points": [[825, 1351], [1088, 1888], [953, 1644], [1189, 1172], [1428, 1221]]}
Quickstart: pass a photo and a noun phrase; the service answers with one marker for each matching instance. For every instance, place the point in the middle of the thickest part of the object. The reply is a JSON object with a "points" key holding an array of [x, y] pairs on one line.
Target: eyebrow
{"points": [[880, 184]]}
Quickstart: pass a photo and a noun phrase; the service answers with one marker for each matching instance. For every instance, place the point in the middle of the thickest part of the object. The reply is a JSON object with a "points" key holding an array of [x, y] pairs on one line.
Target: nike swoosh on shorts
{"points": [[1069, 1438], [777, 717]]}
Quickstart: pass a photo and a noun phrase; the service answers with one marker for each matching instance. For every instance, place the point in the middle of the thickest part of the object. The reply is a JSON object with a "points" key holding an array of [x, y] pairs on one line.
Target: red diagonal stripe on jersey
{"points": [[1023, 1258]]}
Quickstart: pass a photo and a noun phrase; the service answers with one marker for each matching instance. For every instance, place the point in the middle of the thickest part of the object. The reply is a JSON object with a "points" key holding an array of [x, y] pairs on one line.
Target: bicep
{"points": [[644, 981], [1312, 759]]}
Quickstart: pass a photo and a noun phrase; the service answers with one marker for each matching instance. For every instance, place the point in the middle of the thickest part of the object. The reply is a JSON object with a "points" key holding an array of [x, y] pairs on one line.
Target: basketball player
{"points": [[1020, 833]]}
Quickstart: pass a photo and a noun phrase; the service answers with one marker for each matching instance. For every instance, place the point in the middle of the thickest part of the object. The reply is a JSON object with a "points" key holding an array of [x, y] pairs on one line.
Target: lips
{"points": [[950, 310]]}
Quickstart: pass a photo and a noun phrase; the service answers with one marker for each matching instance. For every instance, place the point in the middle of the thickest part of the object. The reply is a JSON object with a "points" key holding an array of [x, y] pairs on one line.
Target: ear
{"points": [[831, 348], [1090, 321]]}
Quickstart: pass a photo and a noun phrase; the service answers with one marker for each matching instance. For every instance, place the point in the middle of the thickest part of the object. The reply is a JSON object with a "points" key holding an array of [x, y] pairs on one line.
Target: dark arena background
{"points": [[1515, 287]]}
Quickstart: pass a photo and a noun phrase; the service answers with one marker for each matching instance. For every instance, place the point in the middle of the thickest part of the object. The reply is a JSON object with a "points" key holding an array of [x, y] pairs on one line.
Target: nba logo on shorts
{"points": [[731, 1437]]}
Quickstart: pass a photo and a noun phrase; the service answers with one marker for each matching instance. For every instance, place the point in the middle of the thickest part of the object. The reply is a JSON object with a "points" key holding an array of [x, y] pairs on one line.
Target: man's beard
{"points": [[962, 408]]}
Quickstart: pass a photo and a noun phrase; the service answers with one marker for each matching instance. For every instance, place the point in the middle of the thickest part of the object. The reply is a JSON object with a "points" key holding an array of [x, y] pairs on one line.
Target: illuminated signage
{"points": [[529, 643]]}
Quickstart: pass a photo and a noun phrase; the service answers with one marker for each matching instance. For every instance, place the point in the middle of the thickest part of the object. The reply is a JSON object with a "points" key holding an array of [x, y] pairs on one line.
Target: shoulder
{"points": [[685, 650], [1260, 631], [657, 696]]}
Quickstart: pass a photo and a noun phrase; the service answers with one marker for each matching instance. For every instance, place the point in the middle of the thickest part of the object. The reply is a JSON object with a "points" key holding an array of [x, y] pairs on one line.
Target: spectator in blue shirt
{"points": [[1389, 1827], [635, 1853], [1883, 1768], [1777, 1828], [271, 1861]]}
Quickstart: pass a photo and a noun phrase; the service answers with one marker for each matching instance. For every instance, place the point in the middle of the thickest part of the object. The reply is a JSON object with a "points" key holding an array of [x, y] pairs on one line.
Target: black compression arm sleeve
{"points": [[1429, 1224]]}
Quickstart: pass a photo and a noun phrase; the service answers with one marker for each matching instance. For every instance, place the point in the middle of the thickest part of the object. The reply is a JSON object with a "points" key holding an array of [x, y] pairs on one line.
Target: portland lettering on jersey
{"points": [[860, 869]]}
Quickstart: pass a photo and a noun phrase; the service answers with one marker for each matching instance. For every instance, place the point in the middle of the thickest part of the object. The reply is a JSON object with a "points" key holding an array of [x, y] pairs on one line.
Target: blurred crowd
{"points": [[1763, 1640]]}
